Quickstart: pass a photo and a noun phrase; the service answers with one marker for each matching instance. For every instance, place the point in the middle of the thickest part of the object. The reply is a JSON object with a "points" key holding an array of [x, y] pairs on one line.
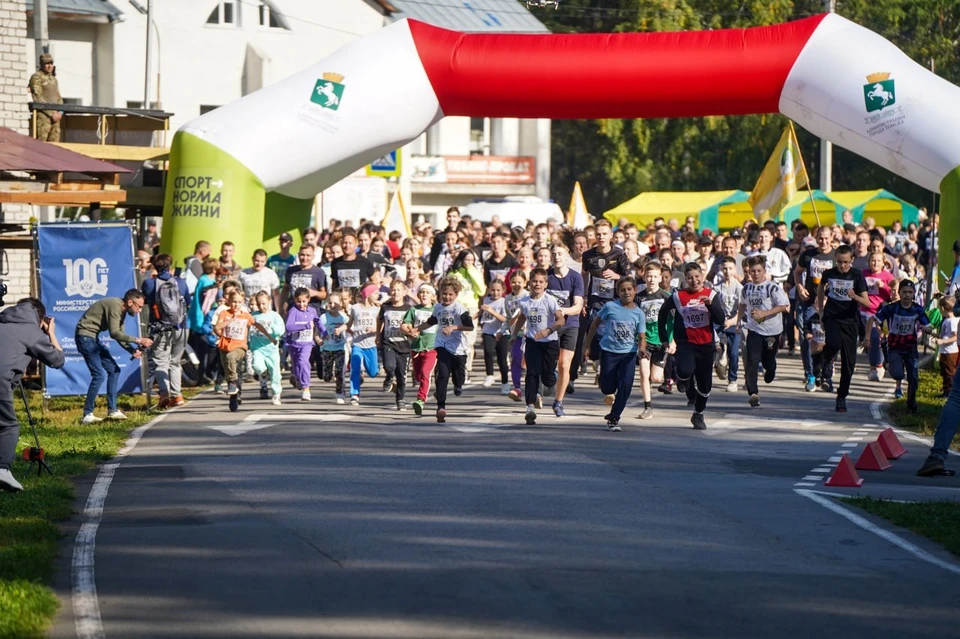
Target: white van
{"points": [[514, 210]]}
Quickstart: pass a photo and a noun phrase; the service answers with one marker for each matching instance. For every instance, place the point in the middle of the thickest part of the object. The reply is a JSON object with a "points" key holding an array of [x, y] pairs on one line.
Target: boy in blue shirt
{"points": [[624, 334]]}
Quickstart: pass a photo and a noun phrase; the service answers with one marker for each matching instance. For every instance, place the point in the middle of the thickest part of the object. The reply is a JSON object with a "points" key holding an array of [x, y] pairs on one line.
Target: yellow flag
{"points": [[578, 217], [783, 175]]}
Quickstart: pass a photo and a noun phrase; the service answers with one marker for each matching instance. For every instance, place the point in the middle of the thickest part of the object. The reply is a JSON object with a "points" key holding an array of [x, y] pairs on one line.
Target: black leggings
{"points": [[541, 367], [759, 349], [395, 367], [499, 346], [449, 365], [695, 368], [842, 338]]}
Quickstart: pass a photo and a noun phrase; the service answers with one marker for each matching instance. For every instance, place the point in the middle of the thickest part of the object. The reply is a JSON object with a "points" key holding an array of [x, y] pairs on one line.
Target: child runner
{"points": [[362, 326], [699, 310], [233, 327], [903, 317], [841, 289], [566, 285], [879, 291], [625, 330], [333, 332], [816, 339], [652, 357], [518, 292], [266, 354], [454, 321], [493, 315], [301, 322], [762, 305], [396, 344], [728, 357], [424, 355], [542, 346], [948, 342], [670, 364]]}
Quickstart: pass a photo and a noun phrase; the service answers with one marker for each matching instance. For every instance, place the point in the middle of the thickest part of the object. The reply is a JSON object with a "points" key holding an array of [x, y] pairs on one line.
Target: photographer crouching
{"points": [[26, 333]]}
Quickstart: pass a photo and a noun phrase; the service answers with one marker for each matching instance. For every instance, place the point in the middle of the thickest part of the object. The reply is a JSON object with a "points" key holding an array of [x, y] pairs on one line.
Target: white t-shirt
{"points": [[455, 342], [947, 330], [255, 281], [364, 326], [490, 324], [763, 297], [540, 314]]}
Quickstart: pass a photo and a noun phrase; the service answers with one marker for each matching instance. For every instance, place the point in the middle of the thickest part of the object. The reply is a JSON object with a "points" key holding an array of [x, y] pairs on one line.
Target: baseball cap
{"points": [[286, 237], [735, 234]]}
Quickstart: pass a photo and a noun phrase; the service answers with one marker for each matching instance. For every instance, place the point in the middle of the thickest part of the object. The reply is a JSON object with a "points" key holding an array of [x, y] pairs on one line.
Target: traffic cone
{"points": [[844, 475], [873, 458], [891, 445]]}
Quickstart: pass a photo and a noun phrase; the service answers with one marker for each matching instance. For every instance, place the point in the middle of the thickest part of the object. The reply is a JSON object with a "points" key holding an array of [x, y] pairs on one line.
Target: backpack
{"points": [[168, 303]]}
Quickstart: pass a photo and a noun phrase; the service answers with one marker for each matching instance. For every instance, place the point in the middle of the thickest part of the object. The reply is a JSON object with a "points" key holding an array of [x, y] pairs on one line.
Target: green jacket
{"points": [[105, 315]]}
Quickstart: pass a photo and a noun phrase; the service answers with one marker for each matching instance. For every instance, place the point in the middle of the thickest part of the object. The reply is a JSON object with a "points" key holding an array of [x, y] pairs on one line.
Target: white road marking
{"points": [[812, 478], [804, 483], [849, 445], [896, 540], [835, 460], [258, 421], [485, 423], [822, 469]]}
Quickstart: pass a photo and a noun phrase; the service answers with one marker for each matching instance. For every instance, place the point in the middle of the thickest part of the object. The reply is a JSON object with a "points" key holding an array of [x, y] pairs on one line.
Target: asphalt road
{"points": [[334, 521]]}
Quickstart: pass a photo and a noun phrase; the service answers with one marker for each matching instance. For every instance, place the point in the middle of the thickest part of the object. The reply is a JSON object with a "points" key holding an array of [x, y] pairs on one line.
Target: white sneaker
{"points": [[505, 388], [305, 395], [276, 400], [117, 415], [8, 481], [90, 418], [881, 373], [339, 399], [488, 381], [732, 387], [873, 375]]}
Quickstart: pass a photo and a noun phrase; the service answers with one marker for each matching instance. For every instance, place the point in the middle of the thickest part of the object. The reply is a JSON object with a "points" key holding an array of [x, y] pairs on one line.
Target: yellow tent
{"points": [[711, 209], [882, 205]]}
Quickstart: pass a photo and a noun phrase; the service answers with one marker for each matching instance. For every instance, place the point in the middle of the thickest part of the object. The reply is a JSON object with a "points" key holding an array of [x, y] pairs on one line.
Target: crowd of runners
{"points": [[547, 307]]}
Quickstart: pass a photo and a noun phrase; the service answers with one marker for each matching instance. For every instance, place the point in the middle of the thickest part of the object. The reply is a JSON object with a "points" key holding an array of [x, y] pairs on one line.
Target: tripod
{"points": [[34, 454]]}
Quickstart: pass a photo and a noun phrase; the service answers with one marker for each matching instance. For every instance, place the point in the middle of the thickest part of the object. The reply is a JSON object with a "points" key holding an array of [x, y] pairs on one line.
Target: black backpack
{"points": [[168, 303]]}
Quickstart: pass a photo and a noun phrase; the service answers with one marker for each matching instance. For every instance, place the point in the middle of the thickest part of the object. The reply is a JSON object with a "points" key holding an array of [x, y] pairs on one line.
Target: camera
{"points": [[3, 292]]}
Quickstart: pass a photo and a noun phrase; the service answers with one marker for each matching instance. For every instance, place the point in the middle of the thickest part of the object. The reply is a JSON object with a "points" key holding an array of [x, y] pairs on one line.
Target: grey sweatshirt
{"points": [[22, 341]]}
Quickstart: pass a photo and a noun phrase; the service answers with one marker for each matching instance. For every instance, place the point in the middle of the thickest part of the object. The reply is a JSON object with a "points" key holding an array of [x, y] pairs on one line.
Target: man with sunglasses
{"points": [[107, 314]]}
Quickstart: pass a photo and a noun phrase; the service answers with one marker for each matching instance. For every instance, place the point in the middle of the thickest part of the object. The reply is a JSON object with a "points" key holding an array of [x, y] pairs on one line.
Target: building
{"points": [[207, 53]]}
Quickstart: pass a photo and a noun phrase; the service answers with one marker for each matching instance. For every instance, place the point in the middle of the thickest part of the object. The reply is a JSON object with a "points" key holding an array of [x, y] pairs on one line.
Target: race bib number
{"points": [[366, 322], [423, 316], [623, 332], [306, 335], [817, 267], [839, 289], [237, 329], [651, 311], [447, 319], [299, 280], [902, 325], [562, 297], [349, 277], [393, 326], [695, 316], [498, 274], [603, 288]]}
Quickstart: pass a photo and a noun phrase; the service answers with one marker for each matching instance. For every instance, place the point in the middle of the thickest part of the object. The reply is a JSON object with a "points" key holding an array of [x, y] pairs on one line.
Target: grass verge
{"points": [[929, 404], [28, 521], [936, 520]]}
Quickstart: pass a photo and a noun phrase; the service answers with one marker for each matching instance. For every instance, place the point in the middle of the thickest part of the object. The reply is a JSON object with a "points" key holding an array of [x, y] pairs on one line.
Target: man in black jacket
{"points": [[26, 333]]}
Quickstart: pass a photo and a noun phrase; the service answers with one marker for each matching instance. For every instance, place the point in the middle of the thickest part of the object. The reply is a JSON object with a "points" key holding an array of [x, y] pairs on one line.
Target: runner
{"points": [[300, 324], [841, 289], [727, 360], [493, 318], [454, 321], [603, 265], [518, 292], [879, 292], [333, 332], [266, 355], [500, 261], [699, 310], [762, 305], [542, 347], [566, 286], [351, 270], [362, 327], [424, 355], [652, 357], [396, 345], [810, 268], [624, 334]]}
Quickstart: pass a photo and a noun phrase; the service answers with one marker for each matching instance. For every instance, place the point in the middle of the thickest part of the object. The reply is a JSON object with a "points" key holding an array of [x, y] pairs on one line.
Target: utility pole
{"points": [[40, 27], [826, 146], [149, 60]]}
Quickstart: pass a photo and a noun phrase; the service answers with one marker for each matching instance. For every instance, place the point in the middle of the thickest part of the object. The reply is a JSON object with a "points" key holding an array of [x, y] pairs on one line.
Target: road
{"points": [[333, 521]]}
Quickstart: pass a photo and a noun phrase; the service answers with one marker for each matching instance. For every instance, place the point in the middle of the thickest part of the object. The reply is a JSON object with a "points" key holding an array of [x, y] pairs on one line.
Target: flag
{"points": [[578, 217], [395, 218], [783, 174]]}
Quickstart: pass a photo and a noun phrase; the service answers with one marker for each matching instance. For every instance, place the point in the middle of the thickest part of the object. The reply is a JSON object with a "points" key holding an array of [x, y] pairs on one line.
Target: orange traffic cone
{"points": [[890, 444], [844, 475], [873, 458]]}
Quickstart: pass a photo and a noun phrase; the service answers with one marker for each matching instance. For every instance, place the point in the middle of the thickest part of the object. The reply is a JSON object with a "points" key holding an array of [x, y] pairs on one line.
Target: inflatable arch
{"points": [[249, 170]]}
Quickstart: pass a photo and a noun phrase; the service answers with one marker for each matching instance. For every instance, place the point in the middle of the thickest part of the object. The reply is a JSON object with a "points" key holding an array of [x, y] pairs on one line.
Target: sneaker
{"points": [[811, 384], [721, 370], [570, 388], [558, 409], [276, 400], [881, 374], [305, 395], [387, 383], [873, 376], [609, 399], [514, 394], [488, 381], [698, 422], [826, 386], [548, 391], [531, 415], [613, 425], [441, 415], [754, 400], [90, 418], [9, 483], [177, 401], [539, 403], [165, 401], [264, 393], [898, 394], [338, 398], [458, 391], [768, 377], [932, 467], [355, 400], [401, 405], [418, 407], [841, 405], [666, 388], [647, 412], [116, 415], [732, 387], [218, 389], [232, 389], [505, 388]]}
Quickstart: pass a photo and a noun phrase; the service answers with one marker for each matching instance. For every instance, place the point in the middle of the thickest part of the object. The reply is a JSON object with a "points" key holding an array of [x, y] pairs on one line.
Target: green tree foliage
{"points": [[616, 159]]}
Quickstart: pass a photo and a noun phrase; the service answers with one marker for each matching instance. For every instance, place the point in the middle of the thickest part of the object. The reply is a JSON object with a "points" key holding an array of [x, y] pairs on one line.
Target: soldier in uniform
{"points": [[44, 88]]}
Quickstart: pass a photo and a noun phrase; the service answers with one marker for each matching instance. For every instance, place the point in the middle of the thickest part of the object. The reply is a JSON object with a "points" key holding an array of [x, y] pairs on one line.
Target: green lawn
{"points": [[28, 521], [937, 520], [929, 403]]}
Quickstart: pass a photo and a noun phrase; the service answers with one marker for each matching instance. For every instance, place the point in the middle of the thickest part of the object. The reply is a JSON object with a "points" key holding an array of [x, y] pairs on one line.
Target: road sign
{"points": [[385, 166]]}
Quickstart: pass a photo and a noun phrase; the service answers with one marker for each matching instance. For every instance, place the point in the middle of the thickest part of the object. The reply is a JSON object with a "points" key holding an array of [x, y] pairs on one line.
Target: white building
{"points": [[207, 53]]}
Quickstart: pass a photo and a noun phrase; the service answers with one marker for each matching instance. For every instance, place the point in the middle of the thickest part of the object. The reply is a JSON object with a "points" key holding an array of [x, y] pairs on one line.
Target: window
{"points": [[271, 18], [224, 13], [73, 101], [207, 108], [478, 137], [134, 104]]}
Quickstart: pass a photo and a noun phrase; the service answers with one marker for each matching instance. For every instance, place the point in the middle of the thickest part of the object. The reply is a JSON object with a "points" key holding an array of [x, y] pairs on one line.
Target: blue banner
{"points": [[80, 264]]}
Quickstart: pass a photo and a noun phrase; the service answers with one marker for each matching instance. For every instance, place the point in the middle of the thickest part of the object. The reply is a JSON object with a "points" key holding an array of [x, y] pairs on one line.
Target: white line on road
{"points": [[804, 483], [835, 460], [812, 478], [896, 540]]}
